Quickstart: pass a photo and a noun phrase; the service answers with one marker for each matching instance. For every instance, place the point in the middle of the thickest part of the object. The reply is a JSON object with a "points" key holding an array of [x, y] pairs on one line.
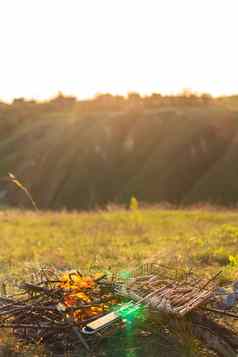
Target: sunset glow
{"points": [[83, 47]]}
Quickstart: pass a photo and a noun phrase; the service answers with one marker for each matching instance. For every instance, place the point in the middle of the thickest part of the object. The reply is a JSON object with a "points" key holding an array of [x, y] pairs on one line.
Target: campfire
{"points": [[67, 311], [55, 306]]}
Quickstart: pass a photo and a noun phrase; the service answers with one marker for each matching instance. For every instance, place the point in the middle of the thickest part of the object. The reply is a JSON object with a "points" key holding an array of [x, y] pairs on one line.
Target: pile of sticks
{"points": [[47, 310]]}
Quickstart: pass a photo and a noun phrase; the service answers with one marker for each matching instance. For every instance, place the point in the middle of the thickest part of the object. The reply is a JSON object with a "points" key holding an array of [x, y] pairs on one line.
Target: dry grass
{"points": [[120, 239]]}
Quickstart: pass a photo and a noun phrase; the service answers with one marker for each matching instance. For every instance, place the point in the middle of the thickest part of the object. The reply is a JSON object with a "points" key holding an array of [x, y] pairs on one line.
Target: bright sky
{"points": [[83, 47]]}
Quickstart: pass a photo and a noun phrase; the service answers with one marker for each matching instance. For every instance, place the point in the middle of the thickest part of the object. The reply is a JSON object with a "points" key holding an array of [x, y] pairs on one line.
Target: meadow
{"points": [[204, 240], [116, 239]]}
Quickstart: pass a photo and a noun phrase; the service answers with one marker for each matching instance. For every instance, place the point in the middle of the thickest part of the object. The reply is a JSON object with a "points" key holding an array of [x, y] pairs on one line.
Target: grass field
{"points": [[202, 239], [205, 240]]}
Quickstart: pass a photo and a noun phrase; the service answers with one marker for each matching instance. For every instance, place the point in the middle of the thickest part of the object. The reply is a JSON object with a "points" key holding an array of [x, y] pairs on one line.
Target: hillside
{"points": [[81, 155]]}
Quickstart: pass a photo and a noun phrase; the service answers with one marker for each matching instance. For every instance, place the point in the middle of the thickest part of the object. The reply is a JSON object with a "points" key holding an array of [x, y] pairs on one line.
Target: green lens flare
{"points": [[125, 275], [130, 312]]}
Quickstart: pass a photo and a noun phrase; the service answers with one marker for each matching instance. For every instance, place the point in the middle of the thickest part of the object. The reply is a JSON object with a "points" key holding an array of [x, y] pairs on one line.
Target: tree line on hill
{"points": [[85, 154]]}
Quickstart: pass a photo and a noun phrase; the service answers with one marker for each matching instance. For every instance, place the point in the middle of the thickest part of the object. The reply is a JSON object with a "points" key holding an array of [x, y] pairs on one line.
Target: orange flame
{"points": [[80, 290]]}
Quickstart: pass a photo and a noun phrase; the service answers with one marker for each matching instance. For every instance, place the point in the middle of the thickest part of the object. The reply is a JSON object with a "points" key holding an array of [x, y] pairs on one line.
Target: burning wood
{"points": [[54, 309], [66, 310]]}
